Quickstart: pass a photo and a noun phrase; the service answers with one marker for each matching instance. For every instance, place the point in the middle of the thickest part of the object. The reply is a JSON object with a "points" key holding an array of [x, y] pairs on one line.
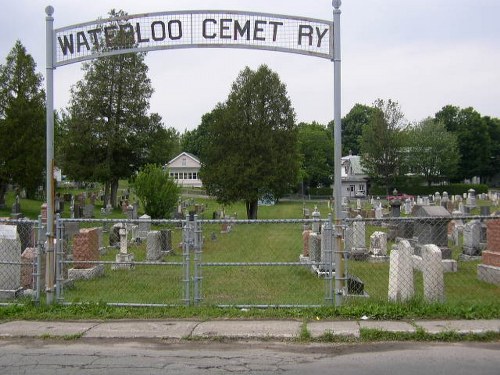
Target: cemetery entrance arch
{"points": [[187, 29]]}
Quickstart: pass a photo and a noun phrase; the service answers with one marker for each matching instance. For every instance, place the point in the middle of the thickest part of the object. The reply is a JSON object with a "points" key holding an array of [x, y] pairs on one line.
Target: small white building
{"points": [[185, 169], [354, 180]]}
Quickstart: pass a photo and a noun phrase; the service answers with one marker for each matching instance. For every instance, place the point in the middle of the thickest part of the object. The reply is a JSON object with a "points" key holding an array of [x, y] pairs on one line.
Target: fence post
{"points": [[198, 242], [186, 240], [327, 244], [39, 255], [339, 264], [59, 257]]}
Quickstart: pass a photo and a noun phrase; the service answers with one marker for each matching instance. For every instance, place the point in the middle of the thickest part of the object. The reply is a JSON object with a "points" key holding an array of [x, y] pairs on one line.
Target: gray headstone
{"points": [[10, 246]]}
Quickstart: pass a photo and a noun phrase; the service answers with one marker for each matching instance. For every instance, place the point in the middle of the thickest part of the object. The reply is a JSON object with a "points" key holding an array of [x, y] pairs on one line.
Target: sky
{"points": [[423, 54]]}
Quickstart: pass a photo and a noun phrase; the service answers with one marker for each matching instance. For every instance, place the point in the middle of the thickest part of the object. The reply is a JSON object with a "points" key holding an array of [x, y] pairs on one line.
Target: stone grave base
{"points": [[449, 265], [378, 258], [469, 258], [86, 273], [123, 262], [360, 253], [10, 293], [489, 274]]}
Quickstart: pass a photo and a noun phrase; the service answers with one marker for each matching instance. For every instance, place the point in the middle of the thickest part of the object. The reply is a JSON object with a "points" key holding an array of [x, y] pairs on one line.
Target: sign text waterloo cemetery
{"points": [[166, 30]]}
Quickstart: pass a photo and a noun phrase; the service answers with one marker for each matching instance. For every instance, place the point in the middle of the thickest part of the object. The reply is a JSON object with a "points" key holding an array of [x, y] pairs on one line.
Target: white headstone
{"points": [[378, 243], [10, 252], [401, 284], [432, 273]]}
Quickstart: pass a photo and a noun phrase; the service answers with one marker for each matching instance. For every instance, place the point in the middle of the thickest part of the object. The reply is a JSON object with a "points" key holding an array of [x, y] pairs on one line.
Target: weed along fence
{"points": [[429, 257]]}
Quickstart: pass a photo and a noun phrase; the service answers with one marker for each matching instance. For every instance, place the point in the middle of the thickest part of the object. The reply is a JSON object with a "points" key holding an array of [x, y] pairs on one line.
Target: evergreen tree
{"points": [[250, 149], [22, 123], [107, 129]]}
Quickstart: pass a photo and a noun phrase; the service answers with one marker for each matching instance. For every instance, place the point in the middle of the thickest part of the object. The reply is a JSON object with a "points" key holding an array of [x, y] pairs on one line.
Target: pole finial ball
{"points": [[49, 10], [337, 3]]}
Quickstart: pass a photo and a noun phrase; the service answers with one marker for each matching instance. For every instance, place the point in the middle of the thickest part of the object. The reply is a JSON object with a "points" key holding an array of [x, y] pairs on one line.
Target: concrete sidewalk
{"points": [[235, 329]]}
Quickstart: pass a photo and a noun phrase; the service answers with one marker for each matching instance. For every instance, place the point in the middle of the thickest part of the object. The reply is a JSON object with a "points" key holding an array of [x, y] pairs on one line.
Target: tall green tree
{"points": [[474, 142], [431, 151], [22, 123], [352, 128], [251, 145], [107, 127], [316, 149], [381, 143]]}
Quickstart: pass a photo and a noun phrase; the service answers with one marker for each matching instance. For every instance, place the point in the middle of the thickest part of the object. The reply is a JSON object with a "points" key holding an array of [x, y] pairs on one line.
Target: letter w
{"points": [[66, 45]]}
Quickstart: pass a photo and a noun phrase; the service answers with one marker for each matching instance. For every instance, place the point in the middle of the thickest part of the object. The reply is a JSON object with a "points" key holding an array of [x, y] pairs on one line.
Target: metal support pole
{"points": [[197, 260], [337, 136], [186, 244], [49, 105]]}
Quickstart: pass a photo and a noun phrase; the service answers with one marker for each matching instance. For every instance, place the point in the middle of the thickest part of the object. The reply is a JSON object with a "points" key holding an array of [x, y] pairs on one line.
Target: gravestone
{"points": [[315, 247], [401, 284], [88, 211], [166, 240], [144, 226], [153, 246], [28, 259], [472, 238], [114, 235], [305, 242], [489, 269], [10, 273], [433, 273], [378, 243], [431, 227], [359, 250], [123, 258], [16, 210], [471, 198], [85, 248]]}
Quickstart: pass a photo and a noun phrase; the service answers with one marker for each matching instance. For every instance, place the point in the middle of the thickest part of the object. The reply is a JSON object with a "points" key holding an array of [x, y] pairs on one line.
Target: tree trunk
{"points": [[3, 190], [114, 192], [252, 207]]}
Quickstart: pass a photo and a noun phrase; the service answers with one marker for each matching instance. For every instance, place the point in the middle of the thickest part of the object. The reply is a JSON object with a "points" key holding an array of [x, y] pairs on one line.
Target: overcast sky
{"points": [[424, 54]]}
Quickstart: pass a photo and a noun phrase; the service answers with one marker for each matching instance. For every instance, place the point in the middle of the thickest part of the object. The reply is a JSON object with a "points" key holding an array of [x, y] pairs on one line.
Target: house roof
{"points": [[191, 156], [355, 163]]}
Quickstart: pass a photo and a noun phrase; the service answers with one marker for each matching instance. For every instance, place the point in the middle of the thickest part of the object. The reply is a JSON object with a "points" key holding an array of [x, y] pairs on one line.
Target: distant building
{"points": [[185, 169], [354, 179]]}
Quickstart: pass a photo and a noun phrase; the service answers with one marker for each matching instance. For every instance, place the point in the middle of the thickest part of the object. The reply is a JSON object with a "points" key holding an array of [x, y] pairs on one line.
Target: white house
{"points": [[184, 169], [354, 180]]}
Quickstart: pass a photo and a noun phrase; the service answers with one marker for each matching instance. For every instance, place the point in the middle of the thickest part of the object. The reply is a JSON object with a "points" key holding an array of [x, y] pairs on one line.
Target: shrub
{"points": [[157, 192]]}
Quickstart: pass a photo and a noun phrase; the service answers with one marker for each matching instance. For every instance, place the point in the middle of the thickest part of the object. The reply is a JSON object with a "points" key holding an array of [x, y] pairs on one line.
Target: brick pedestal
{"points": [[489, 270]]}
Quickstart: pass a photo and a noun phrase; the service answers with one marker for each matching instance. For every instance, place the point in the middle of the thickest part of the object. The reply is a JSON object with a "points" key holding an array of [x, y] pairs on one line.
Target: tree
{"points": [[352, 128], [157, 192], [22, 123], [381, 143], [432, 151], [107, 129], [473, 137], [316, 149], [251, 145]]}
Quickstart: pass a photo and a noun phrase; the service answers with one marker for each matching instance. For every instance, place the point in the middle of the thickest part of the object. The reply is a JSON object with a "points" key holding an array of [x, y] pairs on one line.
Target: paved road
{"points": [[101, 356]]}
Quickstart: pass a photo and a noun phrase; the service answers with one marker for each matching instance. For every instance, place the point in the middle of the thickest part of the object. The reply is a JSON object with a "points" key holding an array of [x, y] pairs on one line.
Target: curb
{"points": [[237, 329]]}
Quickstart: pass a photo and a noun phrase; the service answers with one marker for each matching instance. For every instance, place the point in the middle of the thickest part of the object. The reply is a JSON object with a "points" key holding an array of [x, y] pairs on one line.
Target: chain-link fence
{"points": [[431, 258], [296, 262], [21, 265]]}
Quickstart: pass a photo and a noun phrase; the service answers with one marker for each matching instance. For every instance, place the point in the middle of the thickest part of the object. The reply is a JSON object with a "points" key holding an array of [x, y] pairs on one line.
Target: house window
{"points": [[183, 162], [361, 187], [195, 176]]}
